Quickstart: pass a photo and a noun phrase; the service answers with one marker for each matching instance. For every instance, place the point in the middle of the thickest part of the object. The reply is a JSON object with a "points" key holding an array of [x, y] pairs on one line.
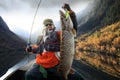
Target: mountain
{"points": [[103, 13], [11, 48]]}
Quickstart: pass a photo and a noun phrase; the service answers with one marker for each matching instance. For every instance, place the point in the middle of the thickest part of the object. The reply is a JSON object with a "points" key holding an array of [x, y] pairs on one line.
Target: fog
{"points": [[19, 14]]}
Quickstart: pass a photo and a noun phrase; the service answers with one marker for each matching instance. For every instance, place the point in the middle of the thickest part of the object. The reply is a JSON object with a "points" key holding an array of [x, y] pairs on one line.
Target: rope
{"points": [[34, 20]]}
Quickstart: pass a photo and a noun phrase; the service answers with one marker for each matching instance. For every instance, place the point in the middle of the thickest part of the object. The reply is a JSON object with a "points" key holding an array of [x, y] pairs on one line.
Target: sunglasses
{"points": [[48, 24]]}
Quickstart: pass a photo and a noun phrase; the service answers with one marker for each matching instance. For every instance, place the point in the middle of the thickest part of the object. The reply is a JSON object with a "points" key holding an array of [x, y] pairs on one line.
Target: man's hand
{"points": [[32, 48], [29, 49]]}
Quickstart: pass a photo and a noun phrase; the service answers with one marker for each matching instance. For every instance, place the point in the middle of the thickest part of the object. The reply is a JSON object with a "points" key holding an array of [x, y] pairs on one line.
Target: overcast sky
{"points": [[18, 14]]}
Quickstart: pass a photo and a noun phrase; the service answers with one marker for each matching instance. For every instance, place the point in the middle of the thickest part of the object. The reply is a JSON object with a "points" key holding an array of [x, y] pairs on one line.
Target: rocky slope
{"points": [[11, 47]]}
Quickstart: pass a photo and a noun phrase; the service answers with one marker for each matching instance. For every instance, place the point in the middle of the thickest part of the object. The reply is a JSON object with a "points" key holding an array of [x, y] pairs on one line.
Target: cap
{"points": [[47, 21]]}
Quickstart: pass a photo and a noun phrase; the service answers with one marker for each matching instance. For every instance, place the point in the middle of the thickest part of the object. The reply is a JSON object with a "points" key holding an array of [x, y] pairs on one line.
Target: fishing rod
{"points": [[34, 19], [29, 39]]}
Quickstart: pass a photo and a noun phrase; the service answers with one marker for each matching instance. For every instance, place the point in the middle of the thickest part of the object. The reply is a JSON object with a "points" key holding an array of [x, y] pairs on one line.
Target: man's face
{"points": [[49, 26], [48, 29]]}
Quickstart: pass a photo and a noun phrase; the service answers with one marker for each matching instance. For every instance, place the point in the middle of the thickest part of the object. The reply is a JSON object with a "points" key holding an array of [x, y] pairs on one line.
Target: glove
{"points": [[29, 49]]}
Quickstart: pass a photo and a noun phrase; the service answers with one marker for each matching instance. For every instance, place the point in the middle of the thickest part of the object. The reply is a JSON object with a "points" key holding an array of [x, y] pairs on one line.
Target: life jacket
{"points": [[48, 59], [52, 42]]}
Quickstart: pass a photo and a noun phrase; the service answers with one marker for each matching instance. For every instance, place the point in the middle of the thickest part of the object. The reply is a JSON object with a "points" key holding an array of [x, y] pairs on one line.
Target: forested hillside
{"points": [[101, 49], [98, 41], [105, 12]]}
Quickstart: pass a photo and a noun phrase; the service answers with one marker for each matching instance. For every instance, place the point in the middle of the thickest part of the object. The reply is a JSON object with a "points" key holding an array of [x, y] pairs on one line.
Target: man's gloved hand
{"points": [[32, 48], [29, 49]]}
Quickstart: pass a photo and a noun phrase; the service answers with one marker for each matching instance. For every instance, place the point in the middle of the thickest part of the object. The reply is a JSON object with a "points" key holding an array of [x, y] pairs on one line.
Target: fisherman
{"points": [[72, 14], [47, 61]]}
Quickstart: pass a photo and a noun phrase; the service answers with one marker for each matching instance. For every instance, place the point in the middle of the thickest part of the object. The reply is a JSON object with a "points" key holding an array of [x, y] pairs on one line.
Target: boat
{"points": [[17, 72]]}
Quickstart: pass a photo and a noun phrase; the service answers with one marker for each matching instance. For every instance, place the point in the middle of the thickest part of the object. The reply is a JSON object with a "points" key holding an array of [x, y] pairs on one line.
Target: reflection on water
{"points": [[101, 60]]}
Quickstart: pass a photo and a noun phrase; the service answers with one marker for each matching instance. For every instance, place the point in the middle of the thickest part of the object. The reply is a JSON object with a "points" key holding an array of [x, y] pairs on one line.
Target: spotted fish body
{"points": [[67, 46]]}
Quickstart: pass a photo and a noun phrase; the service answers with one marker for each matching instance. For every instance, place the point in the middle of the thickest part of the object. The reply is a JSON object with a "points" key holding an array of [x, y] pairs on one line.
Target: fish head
{"points": [[66, 23]]}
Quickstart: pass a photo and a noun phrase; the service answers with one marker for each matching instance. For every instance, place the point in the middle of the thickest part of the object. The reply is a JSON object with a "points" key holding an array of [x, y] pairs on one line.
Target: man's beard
{"points": [[48, 32]]}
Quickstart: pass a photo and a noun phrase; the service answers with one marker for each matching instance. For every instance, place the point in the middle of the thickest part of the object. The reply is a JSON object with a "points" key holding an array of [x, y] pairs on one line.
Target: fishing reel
{"points": [[29, 48]]}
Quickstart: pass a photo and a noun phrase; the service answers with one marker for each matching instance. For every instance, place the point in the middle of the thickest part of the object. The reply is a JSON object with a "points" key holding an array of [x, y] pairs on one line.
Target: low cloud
{"points": [[19, 14]]}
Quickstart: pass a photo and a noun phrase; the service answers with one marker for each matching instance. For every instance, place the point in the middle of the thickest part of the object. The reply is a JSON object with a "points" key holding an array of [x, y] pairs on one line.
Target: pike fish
{"points": [[67, 50]]}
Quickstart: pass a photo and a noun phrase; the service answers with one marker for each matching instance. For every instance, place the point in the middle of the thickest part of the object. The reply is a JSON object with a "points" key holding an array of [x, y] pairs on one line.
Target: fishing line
{"points": [[34, 20]]}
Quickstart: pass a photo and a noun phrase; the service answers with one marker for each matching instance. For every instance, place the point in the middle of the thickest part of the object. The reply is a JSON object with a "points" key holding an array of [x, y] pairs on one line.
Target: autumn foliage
{"points": [[101, 49]]}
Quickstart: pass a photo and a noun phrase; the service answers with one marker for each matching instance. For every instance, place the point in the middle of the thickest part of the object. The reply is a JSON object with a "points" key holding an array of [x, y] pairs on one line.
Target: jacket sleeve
{"points": [[39, 40], [59, 34], [74, 20], [35, 47]]}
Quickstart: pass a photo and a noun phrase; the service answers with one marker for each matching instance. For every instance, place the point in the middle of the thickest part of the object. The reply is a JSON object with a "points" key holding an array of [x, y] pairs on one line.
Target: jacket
{"points": [[47, 59]]}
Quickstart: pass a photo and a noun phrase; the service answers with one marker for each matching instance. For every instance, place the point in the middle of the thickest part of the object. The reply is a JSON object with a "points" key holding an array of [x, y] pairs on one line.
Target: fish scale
{"points": [[67, 46]]}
